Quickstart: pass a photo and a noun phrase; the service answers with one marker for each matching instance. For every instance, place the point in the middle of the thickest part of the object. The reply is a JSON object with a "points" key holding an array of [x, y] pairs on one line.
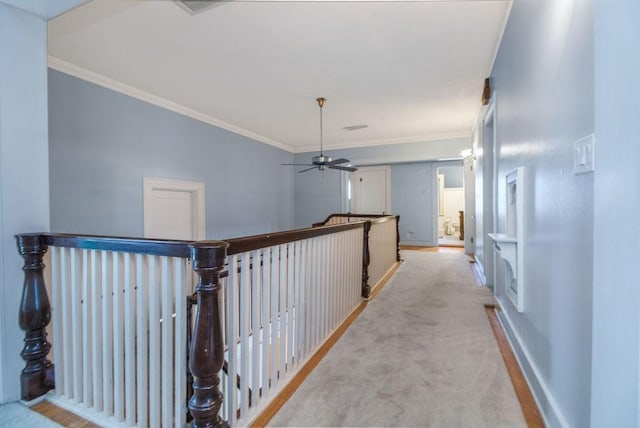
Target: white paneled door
{"points": [[174, 209], [372, 190]]}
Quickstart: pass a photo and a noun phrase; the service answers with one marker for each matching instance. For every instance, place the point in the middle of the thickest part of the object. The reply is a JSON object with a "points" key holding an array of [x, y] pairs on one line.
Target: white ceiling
{"points": [[411, 71]]}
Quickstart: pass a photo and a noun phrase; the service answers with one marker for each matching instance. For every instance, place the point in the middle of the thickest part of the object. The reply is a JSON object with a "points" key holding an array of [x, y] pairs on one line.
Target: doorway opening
{"points": [[450, 208]]}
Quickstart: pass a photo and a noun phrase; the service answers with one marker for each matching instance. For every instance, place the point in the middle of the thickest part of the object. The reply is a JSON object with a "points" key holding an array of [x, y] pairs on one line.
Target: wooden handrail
{"points": [[208, 261], [241, 245], [156, 247], [177, 248], [374, 218]]}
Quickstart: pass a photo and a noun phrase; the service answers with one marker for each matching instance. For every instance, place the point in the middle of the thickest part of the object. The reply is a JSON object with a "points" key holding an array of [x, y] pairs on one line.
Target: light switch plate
{"points": [[583, 155]]}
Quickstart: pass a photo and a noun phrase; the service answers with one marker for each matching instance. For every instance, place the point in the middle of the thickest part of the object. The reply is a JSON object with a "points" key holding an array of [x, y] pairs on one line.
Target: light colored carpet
{"points": [[421, 354]]}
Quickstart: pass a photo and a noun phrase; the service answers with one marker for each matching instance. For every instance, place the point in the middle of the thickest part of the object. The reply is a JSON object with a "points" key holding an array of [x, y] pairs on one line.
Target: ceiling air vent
{"points": [[197, 6], [354, 127]]}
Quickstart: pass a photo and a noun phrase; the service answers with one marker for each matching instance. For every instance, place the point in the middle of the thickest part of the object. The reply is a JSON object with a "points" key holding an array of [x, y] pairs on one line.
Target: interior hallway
{"points": [[421, 354]]}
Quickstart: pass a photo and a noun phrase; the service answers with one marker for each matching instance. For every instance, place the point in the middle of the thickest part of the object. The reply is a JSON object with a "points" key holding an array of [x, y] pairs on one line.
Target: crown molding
{"points": [[387, 141], [117, 86]]}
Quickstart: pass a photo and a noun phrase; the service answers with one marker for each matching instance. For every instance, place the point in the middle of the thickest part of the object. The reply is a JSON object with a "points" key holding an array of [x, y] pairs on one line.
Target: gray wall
{"points": [[102, 144], [412, 197], [318, 194], [24, 188], [616, 300], [453, 175], [543, 78]]}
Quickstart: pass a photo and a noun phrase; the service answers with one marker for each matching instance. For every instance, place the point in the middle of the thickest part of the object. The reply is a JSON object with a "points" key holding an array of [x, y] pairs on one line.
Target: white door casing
{"points": [[174, 209], [372, 190]]}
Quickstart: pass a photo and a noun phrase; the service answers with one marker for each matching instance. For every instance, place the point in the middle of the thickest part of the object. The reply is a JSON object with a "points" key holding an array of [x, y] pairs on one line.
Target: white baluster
{"points": [[282, 312], [275, 275], [166, 349], [245, 326], [155, 351], [87, 338], [180, 281], [142, 277], [256, 303], [56, 313], [118, 337], [107, 334], [291, 284], [266, 320], [75, 309], [130, 338], [232, 295], [65, 282]]}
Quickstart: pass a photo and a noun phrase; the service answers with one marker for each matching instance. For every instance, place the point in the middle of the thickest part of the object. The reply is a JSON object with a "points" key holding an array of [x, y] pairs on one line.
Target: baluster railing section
{"points": [[122, 314]]}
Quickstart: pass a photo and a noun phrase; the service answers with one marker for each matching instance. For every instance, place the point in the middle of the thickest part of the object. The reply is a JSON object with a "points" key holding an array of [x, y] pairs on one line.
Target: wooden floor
{"points": [[61, 416], [528, 404]]}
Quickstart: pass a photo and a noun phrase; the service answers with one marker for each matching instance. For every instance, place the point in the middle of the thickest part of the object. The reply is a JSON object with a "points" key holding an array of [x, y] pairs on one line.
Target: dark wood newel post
{"points": [[366, 287], [34, 316], [398, 238], [207, 353]]}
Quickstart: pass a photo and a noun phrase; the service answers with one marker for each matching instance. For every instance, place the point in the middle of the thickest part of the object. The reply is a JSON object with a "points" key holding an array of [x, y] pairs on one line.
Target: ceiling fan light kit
{"points": [[322, 162]]}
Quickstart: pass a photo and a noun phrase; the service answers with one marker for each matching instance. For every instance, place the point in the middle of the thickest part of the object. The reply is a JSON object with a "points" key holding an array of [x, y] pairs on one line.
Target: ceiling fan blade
{"points": [[297, 164], [338, 161], [343, 168], [308, 169]]}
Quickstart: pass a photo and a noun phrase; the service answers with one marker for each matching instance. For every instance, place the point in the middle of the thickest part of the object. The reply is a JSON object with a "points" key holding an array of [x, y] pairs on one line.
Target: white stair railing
{"points": [[282, 302], [120, 310], [119, 335]]}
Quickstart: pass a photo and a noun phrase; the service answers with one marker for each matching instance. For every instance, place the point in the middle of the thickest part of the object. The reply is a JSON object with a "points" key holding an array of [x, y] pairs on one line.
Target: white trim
{"points": [[109, 83], [198, 209], [490, 258], [386, 141], [114, 85], [543, 396], [77, 409], [479, 270], [117, 86], [345, 205]]}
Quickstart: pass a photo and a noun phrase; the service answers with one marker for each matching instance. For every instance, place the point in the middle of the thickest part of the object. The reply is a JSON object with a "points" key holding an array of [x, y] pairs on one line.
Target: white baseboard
{"points": [[419, 243], [477, 267], [545, 401]]}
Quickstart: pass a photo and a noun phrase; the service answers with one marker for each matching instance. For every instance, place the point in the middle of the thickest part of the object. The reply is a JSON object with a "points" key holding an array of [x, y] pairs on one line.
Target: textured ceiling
{"points": [[410, 71]]}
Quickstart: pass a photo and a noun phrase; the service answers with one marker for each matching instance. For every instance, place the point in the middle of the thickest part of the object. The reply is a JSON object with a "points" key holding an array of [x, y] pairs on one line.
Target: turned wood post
{"points": [[34, 316], [398, 238], [366, 287], [206, 354]]}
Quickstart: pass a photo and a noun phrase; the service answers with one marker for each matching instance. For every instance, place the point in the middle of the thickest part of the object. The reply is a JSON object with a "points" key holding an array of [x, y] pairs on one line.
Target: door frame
{"points": [[489, 193], [197, 189], [355, 202], [436, 165]]}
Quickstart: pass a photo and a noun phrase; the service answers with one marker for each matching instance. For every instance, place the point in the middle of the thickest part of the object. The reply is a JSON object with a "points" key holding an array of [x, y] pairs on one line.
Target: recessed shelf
{"points": [[506, 246], [510, 245]]}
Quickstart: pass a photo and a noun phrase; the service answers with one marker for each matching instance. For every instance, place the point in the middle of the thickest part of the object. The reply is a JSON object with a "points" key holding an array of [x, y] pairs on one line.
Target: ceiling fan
{"points": [[323, 162]]}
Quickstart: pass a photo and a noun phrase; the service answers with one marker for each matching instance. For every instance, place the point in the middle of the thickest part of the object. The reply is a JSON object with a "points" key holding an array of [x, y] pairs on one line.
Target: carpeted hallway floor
{"points": [[421, 354]]}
